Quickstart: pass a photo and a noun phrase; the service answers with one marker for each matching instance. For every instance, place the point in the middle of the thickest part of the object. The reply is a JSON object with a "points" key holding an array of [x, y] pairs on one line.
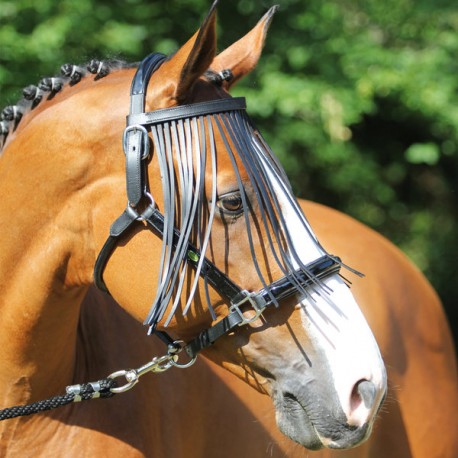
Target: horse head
{"points": [[211, 231]]}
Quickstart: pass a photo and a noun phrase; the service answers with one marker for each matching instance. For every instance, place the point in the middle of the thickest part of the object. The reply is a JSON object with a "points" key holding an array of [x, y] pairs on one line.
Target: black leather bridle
{"points": [[136, 147]]}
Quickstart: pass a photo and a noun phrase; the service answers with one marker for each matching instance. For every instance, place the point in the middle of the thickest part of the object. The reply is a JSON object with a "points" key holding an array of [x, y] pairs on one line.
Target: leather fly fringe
{"points": [[186, 151]]}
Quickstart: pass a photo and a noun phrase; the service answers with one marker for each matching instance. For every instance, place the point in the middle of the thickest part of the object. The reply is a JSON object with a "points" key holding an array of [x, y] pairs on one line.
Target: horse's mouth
{"points": [[314, 426]]}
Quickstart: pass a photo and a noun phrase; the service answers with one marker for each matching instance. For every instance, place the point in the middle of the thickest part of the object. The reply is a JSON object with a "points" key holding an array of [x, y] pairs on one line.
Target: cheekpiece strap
{"points": [[140, 82], [135, 139]]}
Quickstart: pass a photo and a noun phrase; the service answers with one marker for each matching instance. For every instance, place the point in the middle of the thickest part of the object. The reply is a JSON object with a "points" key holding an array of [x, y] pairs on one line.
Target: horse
{"points": [[208, 209]]}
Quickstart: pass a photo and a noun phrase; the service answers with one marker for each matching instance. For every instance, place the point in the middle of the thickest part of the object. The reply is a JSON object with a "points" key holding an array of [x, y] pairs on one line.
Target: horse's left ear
{"points": [[241, 57], [179, 73]]}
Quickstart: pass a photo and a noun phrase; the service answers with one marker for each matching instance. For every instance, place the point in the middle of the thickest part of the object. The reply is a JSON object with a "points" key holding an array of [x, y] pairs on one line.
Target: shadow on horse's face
{"points": [[312, 351]]}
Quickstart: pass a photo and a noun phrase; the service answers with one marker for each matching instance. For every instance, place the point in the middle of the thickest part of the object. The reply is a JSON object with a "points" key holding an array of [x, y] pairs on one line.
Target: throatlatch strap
{"points": [[155, 219], [118, 228]]}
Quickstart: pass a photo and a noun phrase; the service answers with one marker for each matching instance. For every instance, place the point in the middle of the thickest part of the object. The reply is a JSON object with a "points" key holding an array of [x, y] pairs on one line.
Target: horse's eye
{"points": [[230, 204]]}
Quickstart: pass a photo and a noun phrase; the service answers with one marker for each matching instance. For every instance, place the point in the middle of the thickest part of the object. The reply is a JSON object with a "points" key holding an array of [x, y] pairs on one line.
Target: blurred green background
{"points": [[358, 98]]}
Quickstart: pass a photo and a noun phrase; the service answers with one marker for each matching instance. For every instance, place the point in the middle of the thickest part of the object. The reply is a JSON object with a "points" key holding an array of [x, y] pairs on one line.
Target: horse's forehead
{"points": [[226, 178], [204, 91], [226, 175]]}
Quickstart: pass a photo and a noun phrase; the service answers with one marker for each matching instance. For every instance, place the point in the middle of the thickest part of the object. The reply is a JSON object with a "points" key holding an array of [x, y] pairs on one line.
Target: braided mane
{"points": [[48, 87], [71, 74]]}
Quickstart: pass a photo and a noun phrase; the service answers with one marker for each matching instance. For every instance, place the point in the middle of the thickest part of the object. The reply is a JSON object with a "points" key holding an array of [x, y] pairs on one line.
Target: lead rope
{"points": [[84, 392], [105, 388]]}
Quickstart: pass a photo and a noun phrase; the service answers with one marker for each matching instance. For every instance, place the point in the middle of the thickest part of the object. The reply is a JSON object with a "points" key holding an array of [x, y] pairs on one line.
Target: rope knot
{"points": [[32, 93], [4, 128]]}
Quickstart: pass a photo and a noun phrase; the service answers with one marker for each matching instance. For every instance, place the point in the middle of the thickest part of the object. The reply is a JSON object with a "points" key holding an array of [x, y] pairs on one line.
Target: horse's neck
{"points": [[162, 407], [51, 180], [39, 311], [104, 340], [108, 339]]}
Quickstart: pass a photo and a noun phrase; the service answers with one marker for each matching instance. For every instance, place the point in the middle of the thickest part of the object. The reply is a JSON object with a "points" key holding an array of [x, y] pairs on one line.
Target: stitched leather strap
{"points": [[278, 291], [134, 147], [217, 279], [117, 229], [140, 82], [187, 111]]}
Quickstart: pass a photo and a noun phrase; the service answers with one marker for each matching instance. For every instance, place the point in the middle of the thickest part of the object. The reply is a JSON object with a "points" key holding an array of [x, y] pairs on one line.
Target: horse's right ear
{"points": [[242, 56], [179, 73]]}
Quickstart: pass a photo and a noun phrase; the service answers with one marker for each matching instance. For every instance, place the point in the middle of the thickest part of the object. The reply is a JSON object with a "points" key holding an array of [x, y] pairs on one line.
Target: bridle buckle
{"points": [[142, 142], [258, 305]]}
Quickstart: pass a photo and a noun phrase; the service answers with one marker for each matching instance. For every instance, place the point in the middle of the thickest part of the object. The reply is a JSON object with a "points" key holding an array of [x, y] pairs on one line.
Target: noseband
{"points": [[141, 208]]}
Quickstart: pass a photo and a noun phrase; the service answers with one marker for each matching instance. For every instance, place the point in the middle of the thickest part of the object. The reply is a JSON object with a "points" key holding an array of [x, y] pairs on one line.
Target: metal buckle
{"points": [[145, 138], [257, 303]]}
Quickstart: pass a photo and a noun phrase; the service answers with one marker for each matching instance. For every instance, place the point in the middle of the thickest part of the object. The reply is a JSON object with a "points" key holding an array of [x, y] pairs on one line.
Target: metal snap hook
{"points": [[131, 376], [157, 364]]}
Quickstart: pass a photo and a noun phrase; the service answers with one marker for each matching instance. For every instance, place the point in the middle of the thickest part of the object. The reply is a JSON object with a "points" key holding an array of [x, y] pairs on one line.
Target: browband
{"points": [[187, 111]]}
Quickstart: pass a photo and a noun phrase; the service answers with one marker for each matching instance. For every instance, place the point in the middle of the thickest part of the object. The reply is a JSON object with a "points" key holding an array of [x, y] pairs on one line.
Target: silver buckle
{"points": [[145, 138], [257, 304]]}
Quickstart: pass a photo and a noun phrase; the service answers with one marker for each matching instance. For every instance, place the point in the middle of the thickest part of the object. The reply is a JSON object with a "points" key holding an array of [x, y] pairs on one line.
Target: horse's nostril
{"points": [[364, 391], [289, 397]]}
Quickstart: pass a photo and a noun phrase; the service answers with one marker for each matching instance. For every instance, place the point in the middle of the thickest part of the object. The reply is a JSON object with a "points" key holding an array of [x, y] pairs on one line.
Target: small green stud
{"points": [[194, 257]]}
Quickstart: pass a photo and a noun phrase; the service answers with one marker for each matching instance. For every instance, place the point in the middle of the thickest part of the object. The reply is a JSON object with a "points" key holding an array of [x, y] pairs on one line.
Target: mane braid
{"points": [[48, 87], [218, 78]]}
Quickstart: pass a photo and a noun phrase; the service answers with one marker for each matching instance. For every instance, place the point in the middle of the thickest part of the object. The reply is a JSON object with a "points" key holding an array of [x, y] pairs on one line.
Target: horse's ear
{"points": [[241, 57], [182, 70]]}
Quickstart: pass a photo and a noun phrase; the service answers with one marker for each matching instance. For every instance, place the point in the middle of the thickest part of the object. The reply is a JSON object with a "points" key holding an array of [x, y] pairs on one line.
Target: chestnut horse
{"points": [[228, 210]]}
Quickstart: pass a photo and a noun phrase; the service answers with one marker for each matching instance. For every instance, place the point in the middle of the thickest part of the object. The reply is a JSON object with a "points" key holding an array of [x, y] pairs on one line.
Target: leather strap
{"points": [[136, 141], [136, 146], [278, 291], [117, 229], [140, 82], [217, 279], [187, 111]]}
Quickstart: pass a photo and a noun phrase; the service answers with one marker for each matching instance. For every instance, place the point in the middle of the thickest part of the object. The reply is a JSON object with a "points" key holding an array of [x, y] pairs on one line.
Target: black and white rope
{"points": [[75, 393]]}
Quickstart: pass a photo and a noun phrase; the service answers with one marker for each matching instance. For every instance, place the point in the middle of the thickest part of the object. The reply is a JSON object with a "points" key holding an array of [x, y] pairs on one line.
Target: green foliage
{"points": [[358, 98]]}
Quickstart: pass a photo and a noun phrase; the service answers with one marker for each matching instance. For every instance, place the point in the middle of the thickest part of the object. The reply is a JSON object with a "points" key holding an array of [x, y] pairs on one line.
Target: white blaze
{"points": [[338, 328], [334, 322]]}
